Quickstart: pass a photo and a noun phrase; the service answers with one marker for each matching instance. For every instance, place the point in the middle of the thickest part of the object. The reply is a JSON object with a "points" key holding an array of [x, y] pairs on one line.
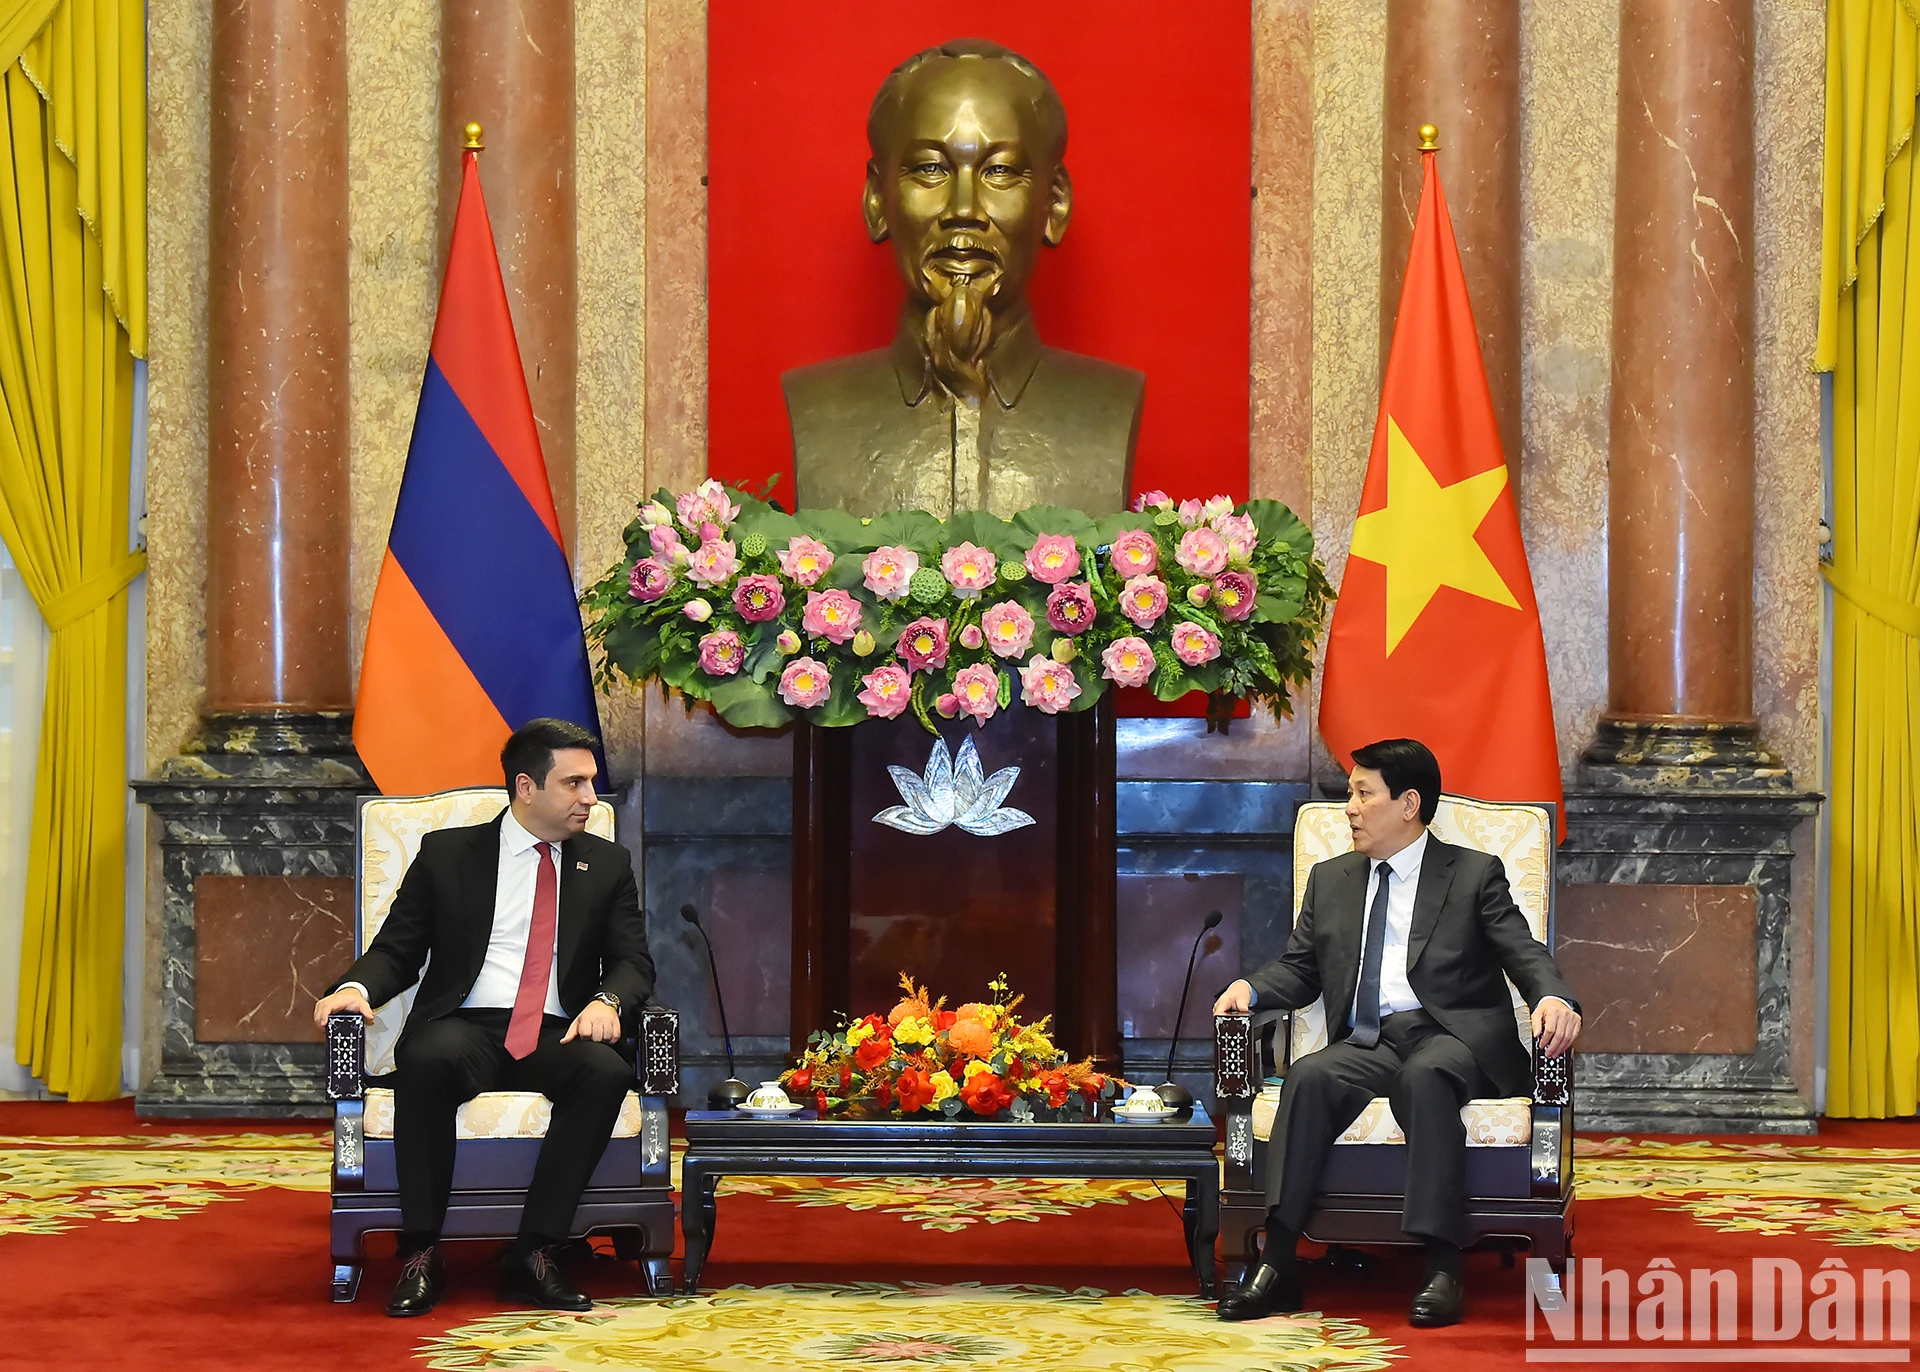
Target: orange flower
{"points": [[970, 1038], [872, 1052], [973, 1009], [1055, 1084], [985, 1094], [944, 1019], [916, 1092], [908, 1009]]}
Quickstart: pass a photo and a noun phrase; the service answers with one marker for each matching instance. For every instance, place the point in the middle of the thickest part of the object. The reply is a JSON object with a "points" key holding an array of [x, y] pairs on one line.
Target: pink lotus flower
{"points": [[707, 503], [697, 610], [649, 580], [1152, 500], [1008, 628], [976, 691], [759, 598], [947, 706], [1190, 512], [1217, 509], [832, 615], [653, 514], [1202, 552], [1199, 593], [663, 539], [1241, 536], [787, 641], [889, 571], [970, 637], [1070, 608], [805, 559], [721, 653], [1054, 558], [714, 563], [923, 644], [1193, 645], [1048, 685], [968, 569], [1128, 661], [805, 683], [1233, 594], [1135, 553], [888, 691], [1143, 600]]}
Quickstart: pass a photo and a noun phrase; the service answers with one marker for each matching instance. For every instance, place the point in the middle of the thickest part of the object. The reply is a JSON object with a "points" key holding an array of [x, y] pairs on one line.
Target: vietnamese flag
{"points": [[1436, 635], [475, 629]]}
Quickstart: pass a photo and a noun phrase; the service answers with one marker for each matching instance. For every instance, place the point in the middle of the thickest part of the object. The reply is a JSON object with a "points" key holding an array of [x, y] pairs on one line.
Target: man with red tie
{"points": [[536, 959]]}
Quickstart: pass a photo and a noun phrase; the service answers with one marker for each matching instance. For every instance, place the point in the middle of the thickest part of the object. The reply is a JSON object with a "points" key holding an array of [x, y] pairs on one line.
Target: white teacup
{"points": [[1144, 1100], [768, 1096]]}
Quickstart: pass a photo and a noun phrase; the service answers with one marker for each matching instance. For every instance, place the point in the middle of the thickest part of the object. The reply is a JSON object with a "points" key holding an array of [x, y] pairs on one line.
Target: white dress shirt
{"points": [[499, 980], [1395, 993]]}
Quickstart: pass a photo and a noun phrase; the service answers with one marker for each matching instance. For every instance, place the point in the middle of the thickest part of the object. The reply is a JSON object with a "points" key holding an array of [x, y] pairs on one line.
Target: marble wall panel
{"points": [[265, 949]]}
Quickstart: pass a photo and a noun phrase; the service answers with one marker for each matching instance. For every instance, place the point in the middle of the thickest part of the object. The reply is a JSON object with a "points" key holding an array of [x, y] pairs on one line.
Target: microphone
{"points": [[728, 1094], [1176, 1096]]}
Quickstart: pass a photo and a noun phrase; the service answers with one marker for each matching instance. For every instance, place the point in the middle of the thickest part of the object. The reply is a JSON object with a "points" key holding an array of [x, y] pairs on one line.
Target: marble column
{"points": [[255, 818], [508, 65], [1682, 830], [1680, 495], [1456, 64]]}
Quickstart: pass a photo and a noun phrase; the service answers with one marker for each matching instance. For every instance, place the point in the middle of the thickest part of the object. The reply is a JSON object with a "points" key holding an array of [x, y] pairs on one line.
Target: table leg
{"points": [[1203, 1204], [697, 1211]]}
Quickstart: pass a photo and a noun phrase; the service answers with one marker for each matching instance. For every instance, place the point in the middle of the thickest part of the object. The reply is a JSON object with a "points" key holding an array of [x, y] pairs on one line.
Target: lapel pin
{"points": [[580, 866]]}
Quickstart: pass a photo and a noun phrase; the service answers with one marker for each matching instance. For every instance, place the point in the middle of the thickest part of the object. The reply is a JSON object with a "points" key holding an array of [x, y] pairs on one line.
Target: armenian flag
{"points": [[475, 628]]}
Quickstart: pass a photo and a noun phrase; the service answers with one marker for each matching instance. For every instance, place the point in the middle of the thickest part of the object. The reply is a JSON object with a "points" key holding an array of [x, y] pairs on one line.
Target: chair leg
{"points": [[346, 1282], [659, 1274]]}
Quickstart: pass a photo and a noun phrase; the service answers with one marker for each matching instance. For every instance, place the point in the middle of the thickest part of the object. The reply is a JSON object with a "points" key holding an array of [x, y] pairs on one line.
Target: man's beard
{"points": [[958, 333]]}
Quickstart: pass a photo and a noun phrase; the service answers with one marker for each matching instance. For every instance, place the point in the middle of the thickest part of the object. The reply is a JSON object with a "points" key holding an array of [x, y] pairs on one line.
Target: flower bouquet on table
{"points": [[768, 615], [922, 1058]]}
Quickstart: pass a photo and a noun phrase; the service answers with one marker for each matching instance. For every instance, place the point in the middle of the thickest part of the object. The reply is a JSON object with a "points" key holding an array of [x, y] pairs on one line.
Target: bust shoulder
{"points": [[1116, 385], [857, 377]]}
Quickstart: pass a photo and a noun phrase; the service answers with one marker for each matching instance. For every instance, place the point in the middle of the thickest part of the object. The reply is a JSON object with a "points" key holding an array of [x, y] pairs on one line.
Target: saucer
{"points": [[1126, 1116], [770, 1112]]}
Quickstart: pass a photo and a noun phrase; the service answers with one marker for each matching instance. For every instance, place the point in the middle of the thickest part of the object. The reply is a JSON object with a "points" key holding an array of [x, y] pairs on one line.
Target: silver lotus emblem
{"points": [[953, 790]]}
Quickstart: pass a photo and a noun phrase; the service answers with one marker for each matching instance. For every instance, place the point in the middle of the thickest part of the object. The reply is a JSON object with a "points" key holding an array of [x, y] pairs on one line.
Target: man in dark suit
{"points": [[536, 959], [1407, 938]]}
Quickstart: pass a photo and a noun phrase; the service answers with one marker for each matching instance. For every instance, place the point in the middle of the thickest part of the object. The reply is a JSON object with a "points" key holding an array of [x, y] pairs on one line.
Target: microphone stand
{"points": [[1176, 1096], [728, 1094]]}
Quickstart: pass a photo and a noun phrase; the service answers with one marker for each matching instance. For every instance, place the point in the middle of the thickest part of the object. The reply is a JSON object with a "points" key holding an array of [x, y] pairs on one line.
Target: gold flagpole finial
{"points": [[1429, 138], [474, 141]]}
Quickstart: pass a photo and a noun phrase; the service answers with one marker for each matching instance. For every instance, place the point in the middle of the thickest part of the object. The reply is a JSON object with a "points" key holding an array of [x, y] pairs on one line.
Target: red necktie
{"points": [[530, 1002]]}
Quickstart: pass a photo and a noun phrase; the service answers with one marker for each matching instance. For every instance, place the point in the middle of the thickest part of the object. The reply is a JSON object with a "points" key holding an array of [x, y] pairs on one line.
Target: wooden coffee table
{"points": [[723, 1143]]}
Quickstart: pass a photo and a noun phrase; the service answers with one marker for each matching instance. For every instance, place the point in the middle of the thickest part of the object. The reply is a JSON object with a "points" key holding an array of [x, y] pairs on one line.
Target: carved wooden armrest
{"points": [[656, 1063], [347, 1087], [1552, 1151]]}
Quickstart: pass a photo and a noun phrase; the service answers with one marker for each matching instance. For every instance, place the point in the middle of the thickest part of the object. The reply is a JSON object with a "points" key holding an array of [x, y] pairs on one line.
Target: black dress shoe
{"points": [[423, 1281], [1440, 1302], [1266, 1292], [536, 1280]]}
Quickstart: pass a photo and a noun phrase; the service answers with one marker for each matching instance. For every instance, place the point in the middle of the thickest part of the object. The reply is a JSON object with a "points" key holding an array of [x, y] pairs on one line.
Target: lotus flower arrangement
{"points": [[769, 616], [921, 1058]]}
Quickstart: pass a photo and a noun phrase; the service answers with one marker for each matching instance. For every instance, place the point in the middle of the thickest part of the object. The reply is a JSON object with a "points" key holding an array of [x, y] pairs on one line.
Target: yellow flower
{"points": [[913, 1030], [975, 1067], [859, 1034], [943, 1086]]}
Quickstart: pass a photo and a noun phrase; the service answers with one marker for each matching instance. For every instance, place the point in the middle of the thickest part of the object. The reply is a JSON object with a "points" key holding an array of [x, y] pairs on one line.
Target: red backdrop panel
{"points": [[1154, 270]]}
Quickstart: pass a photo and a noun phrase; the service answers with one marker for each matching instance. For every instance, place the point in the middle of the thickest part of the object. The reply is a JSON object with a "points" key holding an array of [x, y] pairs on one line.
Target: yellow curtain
{"points": [[1870, 340], [72, 319]]}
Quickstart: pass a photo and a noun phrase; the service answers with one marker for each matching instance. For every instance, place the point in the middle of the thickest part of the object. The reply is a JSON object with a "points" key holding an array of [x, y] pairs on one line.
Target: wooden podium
{"points": [[952, 908]]}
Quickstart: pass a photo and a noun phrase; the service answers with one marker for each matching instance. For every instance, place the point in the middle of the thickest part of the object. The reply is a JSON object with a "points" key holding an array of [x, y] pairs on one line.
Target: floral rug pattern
{"points": [[50, 1184], [811, 1327], [1857, 1197], [949, 1205]]}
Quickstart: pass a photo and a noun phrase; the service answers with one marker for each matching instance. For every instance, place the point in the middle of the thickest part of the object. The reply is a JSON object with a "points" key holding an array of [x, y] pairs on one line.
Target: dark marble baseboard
{"points": [[1708, 1110]]}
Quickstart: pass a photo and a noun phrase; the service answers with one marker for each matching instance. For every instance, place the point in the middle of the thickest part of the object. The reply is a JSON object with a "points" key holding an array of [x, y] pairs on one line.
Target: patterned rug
{"points": [[48, 1184], [1859, 1197], [822, 1328]]}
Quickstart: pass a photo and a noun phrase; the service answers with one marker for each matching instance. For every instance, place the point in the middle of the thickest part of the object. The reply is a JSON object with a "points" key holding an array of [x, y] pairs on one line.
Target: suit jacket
{"points": [[1466, 931], [444, 908]]}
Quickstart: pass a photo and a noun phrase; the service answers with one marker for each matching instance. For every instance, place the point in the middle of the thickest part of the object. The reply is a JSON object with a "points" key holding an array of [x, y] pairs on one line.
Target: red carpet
{"points": [[150, 1273]]}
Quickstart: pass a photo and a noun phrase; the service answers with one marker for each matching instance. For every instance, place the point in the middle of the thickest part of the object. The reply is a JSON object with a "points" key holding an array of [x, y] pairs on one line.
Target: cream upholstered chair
{"points": [[1519, 1149], [499, 1132]]}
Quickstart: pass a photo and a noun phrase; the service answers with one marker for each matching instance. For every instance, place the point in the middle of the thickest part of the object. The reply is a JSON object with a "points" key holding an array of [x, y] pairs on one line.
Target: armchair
{"points": [[1519, 1149], [499, 1132]]}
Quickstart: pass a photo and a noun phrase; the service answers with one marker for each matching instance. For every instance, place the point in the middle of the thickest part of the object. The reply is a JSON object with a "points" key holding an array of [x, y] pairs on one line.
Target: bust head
{"points": [[967, 181]]}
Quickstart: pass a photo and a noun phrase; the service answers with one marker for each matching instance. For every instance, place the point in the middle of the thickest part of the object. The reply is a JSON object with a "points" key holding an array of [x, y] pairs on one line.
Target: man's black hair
{"points": [[529, 749], [1405, 763]]}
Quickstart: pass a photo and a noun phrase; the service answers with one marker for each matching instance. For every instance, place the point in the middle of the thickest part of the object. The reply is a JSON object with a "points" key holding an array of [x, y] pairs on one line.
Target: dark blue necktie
{"points": [[1366, 1003]]}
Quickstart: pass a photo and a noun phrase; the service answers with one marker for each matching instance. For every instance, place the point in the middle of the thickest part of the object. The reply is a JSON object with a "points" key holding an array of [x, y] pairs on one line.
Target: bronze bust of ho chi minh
{"points": [[967, 409]]}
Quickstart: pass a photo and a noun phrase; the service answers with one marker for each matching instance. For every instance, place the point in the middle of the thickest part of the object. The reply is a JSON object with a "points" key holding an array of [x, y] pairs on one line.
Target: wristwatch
{"points": [[608, 998]]}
